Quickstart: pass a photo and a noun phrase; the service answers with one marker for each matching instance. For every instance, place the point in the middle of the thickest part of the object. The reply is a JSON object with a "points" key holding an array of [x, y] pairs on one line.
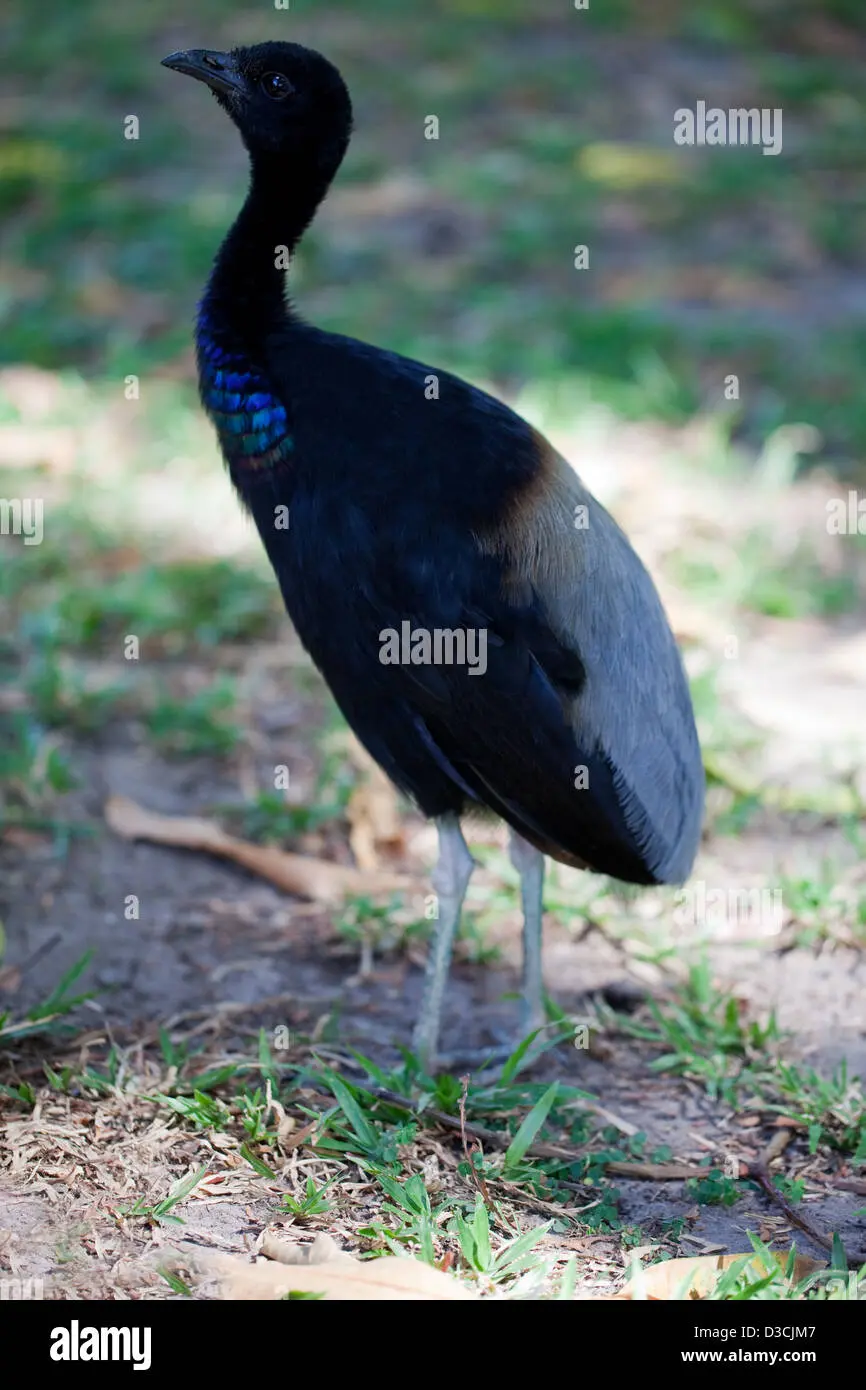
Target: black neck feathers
{"points": [[246, 293]]}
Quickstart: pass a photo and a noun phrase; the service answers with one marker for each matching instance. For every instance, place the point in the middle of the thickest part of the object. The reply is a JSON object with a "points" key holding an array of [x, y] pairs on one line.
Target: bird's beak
{"points": [[218, 70]]}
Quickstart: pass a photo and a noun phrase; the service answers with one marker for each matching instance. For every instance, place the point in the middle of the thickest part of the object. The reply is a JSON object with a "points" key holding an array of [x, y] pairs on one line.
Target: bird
{"points": [[482, 622]]}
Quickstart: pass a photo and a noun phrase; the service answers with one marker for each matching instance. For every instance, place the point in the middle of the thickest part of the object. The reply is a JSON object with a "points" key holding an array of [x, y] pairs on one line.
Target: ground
{"points": [[208, 1093]]}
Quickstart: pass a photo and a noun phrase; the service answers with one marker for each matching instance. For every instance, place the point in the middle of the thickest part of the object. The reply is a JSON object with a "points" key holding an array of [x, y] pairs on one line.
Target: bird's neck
{"points": [[243, 304], [245, 297]]}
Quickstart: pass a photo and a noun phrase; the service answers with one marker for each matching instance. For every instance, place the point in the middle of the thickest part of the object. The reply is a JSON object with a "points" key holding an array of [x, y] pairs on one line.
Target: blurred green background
{"points": [[556, 128]]}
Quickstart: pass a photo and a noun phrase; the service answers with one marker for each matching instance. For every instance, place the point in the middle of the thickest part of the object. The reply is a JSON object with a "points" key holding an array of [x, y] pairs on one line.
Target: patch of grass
{"points": [[175, 1283], [791, 1188], [91, 629], [167, 607], [47, 1017], [705, 1035], [497, 1105], [63, 696], [205, 1112], [255, 1111], [407, 1218], [162, 1212], [825, 906], [347, 1128], [769, 1280], [269, 818], [529, 1129], [516, 1257], [312, 1203], [714, 1190], [756, 578], [156, 611], [200, 724], [832, 1108], [471, 1221], [34, 774], [378, 927]]}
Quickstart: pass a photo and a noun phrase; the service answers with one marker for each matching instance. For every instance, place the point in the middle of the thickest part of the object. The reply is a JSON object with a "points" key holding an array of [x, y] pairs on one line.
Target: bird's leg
{"points": [[450, 879], [529, 863]]}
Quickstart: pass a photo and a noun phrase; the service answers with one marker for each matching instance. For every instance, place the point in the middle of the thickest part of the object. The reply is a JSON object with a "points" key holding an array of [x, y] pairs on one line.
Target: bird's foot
{"points": [[470, 1060], [485, 1064]]}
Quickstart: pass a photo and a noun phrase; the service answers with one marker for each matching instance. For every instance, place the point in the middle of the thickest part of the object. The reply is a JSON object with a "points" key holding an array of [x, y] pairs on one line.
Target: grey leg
{"points": [[529, 863], [450, 880]]}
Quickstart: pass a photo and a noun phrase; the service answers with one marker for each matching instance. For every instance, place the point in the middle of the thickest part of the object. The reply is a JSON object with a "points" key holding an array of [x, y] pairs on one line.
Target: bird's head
{"points": [[285, 100]]}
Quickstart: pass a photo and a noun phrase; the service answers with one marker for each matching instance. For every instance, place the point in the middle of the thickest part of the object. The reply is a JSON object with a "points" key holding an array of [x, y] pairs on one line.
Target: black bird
{"points": [[482, 622]]}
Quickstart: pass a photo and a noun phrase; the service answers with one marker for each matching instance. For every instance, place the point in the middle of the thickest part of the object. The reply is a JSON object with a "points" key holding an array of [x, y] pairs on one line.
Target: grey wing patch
{"points": [[634, 706]]}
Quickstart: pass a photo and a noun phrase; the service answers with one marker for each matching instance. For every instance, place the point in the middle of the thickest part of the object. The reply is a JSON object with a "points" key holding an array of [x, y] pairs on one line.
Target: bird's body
{"points": [[408, 514]]}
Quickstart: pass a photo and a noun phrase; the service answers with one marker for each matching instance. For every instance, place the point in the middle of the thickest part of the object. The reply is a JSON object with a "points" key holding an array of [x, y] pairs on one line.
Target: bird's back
{"points": [[416, 499]]}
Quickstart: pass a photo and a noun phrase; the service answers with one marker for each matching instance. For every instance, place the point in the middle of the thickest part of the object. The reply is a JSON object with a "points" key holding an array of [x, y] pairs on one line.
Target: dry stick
{"points": [[758, 1172], [857, 1185], [40, 953], [477, 1177]]}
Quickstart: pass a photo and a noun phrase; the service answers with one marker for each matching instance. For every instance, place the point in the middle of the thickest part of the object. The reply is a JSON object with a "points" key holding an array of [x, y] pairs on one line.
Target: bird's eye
{"points": [[275, 85]]}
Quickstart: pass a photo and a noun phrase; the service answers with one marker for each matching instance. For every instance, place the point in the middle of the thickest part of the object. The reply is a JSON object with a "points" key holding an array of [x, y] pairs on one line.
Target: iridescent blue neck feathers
{"points": [[251, 423]]}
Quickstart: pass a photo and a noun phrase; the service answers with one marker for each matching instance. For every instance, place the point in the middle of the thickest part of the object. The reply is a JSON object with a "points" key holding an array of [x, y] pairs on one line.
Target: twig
{"points": [[40, 953], [758, 1172], [857, 1185], [477, 1175]]}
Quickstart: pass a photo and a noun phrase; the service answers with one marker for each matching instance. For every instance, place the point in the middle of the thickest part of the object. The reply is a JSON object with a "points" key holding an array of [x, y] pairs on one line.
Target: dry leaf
{"points": [[324, 1250], [696, 1276], [295, 1138], [293, 873], [10, 979], [336, 1276], [372, 811], [19, 838]]}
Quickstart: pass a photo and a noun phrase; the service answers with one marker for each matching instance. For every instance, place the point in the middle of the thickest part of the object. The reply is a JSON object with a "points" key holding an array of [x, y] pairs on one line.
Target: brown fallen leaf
{"points": [[10, 979], [294, 1139], [293, 873], [326, 1270], [372, 811], [19, 838], [777, 1146], [323, 1250], [696, 1276]]}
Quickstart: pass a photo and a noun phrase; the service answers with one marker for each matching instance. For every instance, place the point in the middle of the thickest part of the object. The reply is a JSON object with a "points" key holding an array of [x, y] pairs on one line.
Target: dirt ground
{"points": [[217, 955]]}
